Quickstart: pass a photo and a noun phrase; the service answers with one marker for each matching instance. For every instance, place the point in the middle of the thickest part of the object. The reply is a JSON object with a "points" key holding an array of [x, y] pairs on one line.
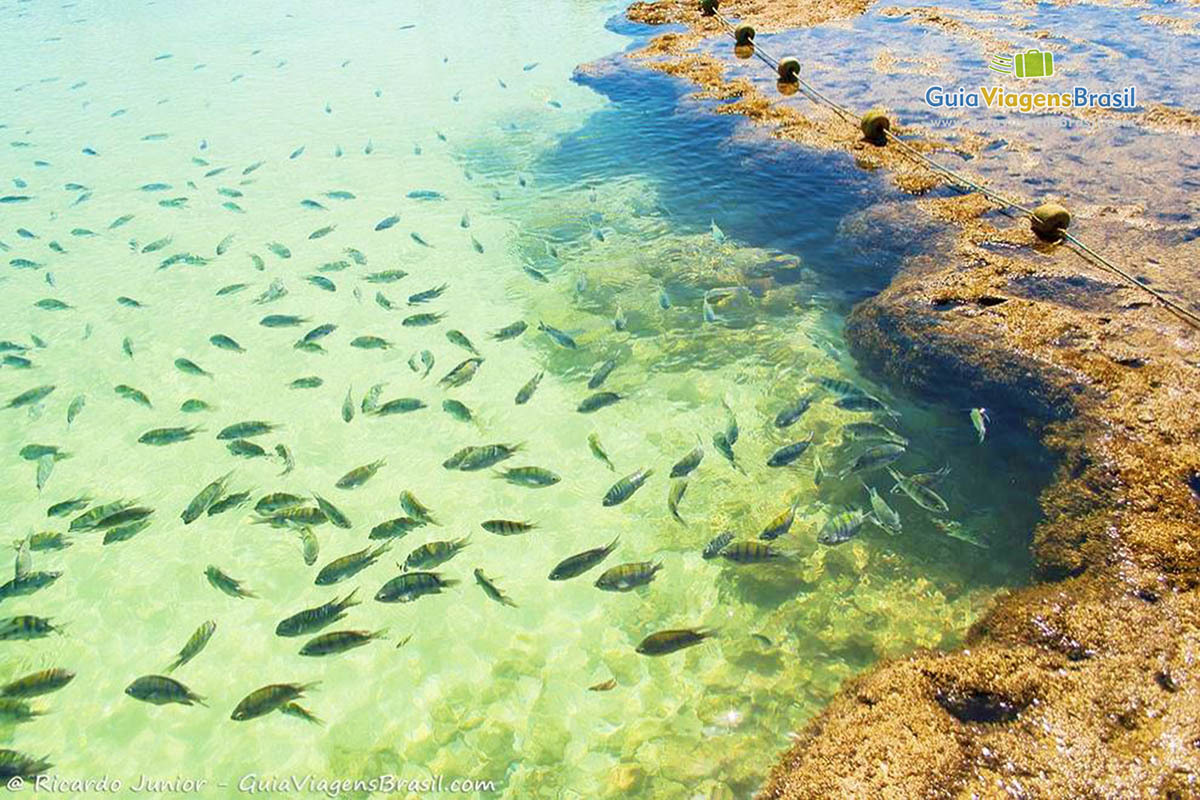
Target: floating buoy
{"points": [[709, 7], [744, 34], [875, 126], [1049, 221], [789, 69]]}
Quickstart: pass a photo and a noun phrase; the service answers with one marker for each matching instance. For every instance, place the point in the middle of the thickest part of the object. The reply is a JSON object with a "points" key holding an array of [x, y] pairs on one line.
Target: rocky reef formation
{"points": [[1084, 684]]}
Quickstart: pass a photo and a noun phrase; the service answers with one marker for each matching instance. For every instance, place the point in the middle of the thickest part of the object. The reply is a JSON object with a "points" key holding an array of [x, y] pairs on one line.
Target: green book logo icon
{"points": [[1034, 64]]}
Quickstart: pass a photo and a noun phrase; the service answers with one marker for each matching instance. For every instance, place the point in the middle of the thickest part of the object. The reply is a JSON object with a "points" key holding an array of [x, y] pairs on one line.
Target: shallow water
{"points": [[608, 187]]}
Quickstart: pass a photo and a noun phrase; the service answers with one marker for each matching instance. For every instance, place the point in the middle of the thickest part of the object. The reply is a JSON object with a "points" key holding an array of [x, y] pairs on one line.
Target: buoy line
{"points": [[1048, 221]]}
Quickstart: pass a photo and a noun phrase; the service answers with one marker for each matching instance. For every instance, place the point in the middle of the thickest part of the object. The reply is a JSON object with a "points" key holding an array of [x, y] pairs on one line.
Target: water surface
{"points": [[533, 194]]}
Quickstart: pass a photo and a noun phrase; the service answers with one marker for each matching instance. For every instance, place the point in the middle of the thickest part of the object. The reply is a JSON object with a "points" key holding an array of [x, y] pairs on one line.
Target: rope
{"points": [[1087, 253]]}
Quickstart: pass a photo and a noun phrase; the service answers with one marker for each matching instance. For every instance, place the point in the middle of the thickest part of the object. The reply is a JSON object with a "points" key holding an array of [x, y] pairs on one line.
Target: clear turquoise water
{"points": [[608, 185]]}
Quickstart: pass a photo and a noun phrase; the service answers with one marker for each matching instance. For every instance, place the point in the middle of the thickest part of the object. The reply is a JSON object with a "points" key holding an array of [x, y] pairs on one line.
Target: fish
{"points": [[319, 332], [285, 456], [396, 528], [370, 343], [871, 431], [159, 690], [36, 684], [339, 642], [506, 527], [663, 643], [332, 513], [717, 544], [26, 582], [674, 497], [491, 590], [789, 453], [273, 292], [511, 331], [386, 276], [875, 457], [52, 304], [229, 502], [474, 458], [718, 235], [270, 698], [310, 547], [413, 507], [883, 515], [66, 507], [623, 489], [297, 710], [400, 405], [205, 498], [576, 565], [247, 429], [841, 527], [296, 516], [45, 466], [421, 320], [725, 448], [461, 374], [793, 412], [597, 401], [224, 244], [359, 475], [281, 321], [232, 288], [425, 194], [411, 586], [435, 553], [686, 465], [130, 393], [320, 233], [457, 410], [749, 552], [307, 382], [559, 338], [526, 391], [979, 419], [245, 449], [530, 477], [387, 222], [459, 338], [922, 495], [195, 644], [321, 282], [30, 397], [956, 530], [604, 686], [349, 565], [226, 584], [601, 374], [313, 204], [863, 403], [33, 452], [25, 627], [598, 451], [191, 368], [348, 406], [626, 577], [416, 237], [780, 525]]}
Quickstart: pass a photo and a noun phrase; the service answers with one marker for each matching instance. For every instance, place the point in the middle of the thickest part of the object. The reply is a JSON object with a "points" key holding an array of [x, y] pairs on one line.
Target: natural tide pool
{"points": [[323, 150]]}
